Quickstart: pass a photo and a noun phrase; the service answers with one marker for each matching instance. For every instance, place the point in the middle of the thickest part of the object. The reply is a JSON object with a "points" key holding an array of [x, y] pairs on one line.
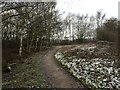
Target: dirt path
{"points": [[40, 70], [57, 76]]}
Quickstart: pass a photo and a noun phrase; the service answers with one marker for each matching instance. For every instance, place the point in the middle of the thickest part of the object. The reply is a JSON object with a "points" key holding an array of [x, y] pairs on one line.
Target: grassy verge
{"points": [[27, 74]]}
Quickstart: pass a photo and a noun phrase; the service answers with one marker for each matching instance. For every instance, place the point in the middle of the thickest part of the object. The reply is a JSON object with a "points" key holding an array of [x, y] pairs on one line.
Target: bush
{"points": [[105, 35]]}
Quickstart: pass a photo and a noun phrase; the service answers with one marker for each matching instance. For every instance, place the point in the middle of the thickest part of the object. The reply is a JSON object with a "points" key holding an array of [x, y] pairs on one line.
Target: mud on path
{"points": [[57, 76]]}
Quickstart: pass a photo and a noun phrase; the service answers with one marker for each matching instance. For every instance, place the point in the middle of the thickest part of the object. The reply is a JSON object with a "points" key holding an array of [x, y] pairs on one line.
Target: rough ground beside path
{"points": [[26, 74]]}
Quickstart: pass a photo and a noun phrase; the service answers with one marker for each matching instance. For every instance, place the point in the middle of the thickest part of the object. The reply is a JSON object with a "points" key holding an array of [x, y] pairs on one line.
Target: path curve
{"points": [[57, 76]]}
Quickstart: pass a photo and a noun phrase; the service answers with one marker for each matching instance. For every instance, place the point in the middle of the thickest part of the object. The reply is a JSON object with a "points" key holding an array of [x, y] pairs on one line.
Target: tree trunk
{"points": [[31, 43], [21, 44], [41, 44], [36, 43], [27, 45]]}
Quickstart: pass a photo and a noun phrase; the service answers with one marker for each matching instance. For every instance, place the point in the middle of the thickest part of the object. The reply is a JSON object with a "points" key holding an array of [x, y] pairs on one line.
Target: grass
{"points": [[27, 74]]}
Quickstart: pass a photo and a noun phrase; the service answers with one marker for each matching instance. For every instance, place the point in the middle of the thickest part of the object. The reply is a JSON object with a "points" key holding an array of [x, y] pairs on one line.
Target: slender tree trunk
{"points": [[21, 44], [36, 44], [31, 43], [41, 44], [27, 45]]}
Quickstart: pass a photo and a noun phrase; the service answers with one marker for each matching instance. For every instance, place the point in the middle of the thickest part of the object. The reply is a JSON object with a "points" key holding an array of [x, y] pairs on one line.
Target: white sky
{"points": [[110, 7]]}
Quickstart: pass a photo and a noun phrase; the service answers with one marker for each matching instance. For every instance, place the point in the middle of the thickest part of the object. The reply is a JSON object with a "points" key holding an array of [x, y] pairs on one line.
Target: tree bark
{"points": [[36, 43], [31, 43], [21, 44]]}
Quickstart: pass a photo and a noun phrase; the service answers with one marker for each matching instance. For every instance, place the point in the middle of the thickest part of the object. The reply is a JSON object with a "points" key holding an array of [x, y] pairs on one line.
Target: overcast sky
{"points": [[110, 7]]}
